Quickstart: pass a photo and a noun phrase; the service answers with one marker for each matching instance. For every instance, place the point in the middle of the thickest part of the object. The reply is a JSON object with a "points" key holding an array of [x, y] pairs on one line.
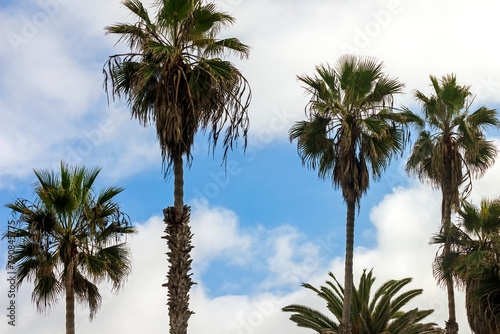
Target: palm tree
{"points": [[173, 76], [474, 263], [351, 126], [451, 149], [68, 240], [380, 315]]}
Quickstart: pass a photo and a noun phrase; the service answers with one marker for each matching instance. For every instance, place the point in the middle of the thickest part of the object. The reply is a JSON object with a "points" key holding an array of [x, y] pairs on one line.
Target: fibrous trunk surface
{"points": [[179, 282]]}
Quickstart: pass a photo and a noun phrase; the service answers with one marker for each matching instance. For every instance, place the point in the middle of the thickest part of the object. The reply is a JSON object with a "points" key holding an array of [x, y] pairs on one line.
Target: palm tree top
{"points": [[351, 123], [187, 28], [451, 134], [174, 76], [356, 85]]}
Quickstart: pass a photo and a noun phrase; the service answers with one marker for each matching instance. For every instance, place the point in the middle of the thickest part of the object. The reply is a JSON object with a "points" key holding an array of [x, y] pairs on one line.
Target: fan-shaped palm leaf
{"points": [[379, 313], [65, 239]]}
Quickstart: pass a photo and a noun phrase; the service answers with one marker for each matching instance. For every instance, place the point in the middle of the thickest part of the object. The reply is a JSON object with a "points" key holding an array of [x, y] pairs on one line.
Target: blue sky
{"points": [[267, 223]]}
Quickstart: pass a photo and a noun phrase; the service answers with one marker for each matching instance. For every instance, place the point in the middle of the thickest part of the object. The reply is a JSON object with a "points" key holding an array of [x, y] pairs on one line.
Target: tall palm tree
{"points": [[474, 262], [68, 240], [351, 127], [380, 315], [173, 76], [451, 148]]}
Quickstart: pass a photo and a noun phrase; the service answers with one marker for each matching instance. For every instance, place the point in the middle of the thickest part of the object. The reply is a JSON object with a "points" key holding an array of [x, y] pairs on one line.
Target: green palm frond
{"points": [[309, 318], [209, 20], [48, 289], [377, 313], [117, 261], [88, 293]]}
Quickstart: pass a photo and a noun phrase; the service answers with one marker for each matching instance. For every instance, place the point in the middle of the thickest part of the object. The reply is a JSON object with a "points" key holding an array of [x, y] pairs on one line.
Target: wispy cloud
{"points": [[51, 88]]}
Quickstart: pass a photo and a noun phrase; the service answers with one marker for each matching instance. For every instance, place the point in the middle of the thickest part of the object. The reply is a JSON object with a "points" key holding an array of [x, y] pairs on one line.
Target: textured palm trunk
{"points": [[346, 326], [451, 324], [178, 235], [70, 304], [178, 186]]}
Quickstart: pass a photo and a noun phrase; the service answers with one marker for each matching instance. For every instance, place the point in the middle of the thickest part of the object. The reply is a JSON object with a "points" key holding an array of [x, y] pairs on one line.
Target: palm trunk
{"points": [[178, 279], [346, 326], [70, 304], [178, 185], [451, 324], [178, 235]]}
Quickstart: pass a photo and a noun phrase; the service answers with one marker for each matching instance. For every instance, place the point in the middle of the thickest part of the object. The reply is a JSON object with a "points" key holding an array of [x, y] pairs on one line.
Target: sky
{"points": [[265, 224]]}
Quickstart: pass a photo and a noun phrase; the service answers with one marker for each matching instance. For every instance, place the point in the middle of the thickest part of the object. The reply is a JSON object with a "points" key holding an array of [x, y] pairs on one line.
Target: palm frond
{"points": [[380, 313]]}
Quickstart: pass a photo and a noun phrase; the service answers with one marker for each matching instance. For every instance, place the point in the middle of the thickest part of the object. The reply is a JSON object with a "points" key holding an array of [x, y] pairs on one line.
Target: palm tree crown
{"points": [[173, 75], [351, 124], [68, 239], [451, 146]]}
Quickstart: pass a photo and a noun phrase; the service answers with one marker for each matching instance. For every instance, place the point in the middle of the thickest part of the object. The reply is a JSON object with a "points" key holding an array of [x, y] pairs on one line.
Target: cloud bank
{"points": [[403, 223]]}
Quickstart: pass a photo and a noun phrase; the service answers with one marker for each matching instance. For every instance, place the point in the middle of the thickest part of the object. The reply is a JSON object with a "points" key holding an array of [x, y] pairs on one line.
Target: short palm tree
{"points": [[378, 313], [351, 127], [474, 262], [451, 148], [173, 76], [68, 240]]}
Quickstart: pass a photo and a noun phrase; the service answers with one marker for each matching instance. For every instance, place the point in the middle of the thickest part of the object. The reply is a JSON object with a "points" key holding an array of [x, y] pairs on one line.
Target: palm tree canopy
{"points": [[451, 142], [474, 262], [377, 313], [351, 123], [173, 74], [69, 230]]}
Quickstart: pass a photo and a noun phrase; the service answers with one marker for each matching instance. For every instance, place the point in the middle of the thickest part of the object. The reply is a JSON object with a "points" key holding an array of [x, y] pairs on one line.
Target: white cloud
{"points": [[290, 260], [217, 235], [403, 221]]}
